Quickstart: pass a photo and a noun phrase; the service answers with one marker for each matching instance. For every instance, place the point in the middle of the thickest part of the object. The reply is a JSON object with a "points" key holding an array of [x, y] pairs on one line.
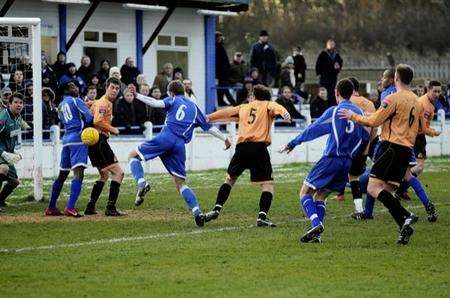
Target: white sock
{"points": [[358, 205]]}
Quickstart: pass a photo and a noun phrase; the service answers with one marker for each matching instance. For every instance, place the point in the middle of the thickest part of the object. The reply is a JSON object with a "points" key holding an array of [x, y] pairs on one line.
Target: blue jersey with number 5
{"points": [[345, 136], [182, 117], [74, 115]]}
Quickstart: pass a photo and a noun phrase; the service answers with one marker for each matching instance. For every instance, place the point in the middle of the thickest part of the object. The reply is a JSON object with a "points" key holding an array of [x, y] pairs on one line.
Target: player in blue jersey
{"points": [[183, 116], [74, 115], [330, 173]]}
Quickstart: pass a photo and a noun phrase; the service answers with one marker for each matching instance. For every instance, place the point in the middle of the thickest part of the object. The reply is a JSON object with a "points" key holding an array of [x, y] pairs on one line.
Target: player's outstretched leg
{"points": [[138, 173], [191, 200], [75, 190], [355, 186], [415, 183], [114, 189], [222, 197], [309, 208], [264, 205], [96, 192], [57, 186]]}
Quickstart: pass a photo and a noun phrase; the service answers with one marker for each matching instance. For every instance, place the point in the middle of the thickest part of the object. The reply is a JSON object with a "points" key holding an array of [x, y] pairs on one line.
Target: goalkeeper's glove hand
{"points": [[11, 158]]}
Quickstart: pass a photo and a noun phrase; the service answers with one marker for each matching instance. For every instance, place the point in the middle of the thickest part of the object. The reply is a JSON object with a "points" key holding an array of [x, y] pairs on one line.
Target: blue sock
{"points": [[321, 209], [56, 190], [364, 181], [190, 199], [138, 172], [309, 207], [419, 190], [75, 189], [368, 208]]}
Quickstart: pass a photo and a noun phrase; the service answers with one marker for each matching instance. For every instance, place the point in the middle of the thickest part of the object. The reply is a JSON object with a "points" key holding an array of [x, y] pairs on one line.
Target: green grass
{"points": [[228, 257]]}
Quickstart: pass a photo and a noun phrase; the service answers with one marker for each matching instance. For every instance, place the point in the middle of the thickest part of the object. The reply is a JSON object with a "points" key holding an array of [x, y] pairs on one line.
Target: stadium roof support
{"points": [[158, 29], [87, 16], [6, 7]]}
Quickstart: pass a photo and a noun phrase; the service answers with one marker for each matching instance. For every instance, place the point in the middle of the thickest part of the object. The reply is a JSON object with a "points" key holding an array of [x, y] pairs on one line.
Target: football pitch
{"points": [[156, 250]]}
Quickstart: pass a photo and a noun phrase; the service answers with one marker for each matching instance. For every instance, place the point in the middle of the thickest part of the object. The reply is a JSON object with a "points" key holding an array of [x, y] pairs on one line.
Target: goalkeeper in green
{"points": [[10, 129]]}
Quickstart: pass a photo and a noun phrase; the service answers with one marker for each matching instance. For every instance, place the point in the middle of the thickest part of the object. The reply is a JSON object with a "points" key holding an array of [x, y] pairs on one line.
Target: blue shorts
{"points": [[170, 149], [73, 156], [329, 173]]}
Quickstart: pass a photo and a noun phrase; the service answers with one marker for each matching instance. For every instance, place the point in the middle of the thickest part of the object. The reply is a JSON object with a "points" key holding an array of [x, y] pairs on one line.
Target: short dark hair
{"points": [[390, 73], [405, 73], [261, 92], [433, 83], [91, 87], [112, 80], [16, 95], [355, 83], [176, 87], [345, 88]]}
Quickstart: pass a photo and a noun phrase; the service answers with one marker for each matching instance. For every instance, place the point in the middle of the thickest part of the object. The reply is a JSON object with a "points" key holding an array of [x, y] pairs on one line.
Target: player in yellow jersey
{"points": [[255, 122], [401, 118]]}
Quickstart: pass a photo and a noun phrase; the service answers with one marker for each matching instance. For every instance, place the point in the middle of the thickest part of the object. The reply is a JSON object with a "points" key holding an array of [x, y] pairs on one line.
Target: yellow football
{"points": [[90, 136]]}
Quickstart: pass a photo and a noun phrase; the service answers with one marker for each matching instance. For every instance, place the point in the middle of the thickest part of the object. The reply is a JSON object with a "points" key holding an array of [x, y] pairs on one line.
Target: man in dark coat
{"points": [[328, 65], [263, 57], [299, 66], [129, 72], [222, 73]]}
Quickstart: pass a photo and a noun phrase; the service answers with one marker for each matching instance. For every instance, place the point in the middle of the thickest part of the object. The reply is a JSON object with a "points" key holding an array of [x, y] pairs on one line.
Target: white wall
{"points": [[206, 152]]}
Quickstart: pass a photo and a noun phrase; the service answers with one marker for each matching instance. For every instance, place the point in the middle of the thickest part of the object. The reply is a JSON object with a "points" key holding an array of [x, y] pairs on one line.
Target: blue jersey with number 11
{"points": [[74, 115], [182, 117]]}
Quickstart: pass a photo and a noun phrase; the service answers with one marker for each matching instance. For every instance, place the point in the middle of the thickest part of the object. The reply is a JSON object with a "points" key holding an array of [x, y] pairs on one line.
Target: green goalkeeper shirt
{"points": [[10, 128]]}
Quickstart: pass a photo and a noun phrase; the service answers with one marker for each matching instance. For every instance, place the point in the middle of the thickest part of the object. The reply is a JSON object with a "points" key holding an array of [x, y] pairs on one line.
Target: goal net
{"points": [[20, 70]]}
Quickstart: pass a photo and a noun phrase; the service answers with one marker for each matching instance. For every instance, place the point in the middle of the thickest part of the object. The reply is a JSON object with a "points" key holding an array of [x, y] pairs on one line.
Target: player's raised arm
{"points": [[379, 117], [202, 121], [224, 115], [276, 109], [150, 101], [320, 127]]}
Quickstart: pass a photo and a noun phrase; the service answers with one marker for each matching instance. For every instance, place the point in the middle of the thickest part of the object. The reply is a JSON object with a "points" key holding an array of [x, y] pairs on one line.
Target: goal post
{"points": [[35, 55]]}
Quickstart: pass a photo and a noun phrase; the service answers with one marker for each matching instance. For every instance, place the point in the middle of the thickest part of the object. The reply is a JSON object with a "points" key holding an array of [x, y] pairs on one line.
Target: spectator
{"points": [[189, 93], [157, 116], [242, 94], [49, 110], [287, 100], [86, 69], [141, 79], [303, 94], [94, 80], [59, 67], [115, 73], [238, 69], [373, 97], [48, 75], [26, 67], [328, 66], [17, 84], [125, 115], [178, 74], [163, 79], [103, 73], [254, 75], [129, 72], [420, 90], [71, 75], [319, 104], [222, 73], [6, 95], [442, 103], [91, 95], [287, 75], [27, 112], [263, 57], [141, 109], [299, 66]]}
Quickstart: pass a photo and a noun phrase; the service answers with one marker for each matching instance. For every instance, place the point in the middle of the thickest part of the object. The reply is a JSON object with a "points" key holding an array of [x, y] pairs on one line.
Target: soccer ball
{"points": [[90, 136]]}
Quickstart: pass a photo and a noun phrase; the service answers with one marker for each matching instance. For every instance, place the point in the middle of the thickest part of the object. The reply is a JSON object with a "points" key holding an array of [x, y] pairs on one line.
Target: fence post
{"points": [[231, 127], [441, 119], [55, 137], [148, 134], [191, 151]]}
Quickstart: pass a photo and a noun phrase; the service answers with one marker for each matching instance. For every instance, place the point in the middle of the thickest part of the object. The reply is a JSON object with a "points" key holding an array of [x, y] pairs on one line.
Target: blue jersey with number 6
{"points": [[74, 115], [182, 117], [345, 136]]}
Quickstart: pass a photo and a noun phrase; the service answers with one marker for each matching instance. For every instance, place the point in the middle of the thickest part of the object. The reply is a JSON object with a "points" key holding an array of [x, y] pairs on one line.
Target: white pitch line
{"points": [[159, 235]]}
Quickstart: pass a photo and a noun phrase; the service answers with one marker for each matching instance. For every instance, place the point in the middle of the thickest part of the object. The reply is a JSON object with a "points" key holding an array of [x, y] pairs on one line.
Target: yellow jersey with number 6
{"points": [[255, 119]]}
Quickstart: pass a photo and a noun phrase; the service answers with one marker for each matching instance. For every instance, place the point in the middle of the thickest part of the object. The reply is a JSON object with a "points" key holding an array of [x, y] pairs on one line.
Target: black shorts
{"points": [[420, 147], [359, 161], [101, 154], [253, 156], [392, 163]]}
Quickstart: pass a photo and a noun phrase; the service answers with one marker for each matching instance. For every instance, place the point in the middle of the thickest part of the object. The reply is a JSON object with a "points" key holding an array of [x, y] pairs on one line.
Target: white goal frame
{"points": [[35, 55]]}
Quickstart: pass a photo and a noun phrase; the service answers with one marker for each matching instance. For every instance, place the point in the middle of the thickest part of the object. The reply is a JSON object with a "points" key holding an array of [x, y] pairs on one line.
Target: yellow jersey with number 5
{"points": [[255, 119]]}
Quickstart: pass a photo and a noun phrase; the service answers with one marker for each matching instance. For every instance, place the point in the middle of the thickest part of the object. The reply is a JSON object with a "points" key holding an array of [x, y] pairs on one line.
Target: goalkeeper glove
{"points": [[11, 158]]}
